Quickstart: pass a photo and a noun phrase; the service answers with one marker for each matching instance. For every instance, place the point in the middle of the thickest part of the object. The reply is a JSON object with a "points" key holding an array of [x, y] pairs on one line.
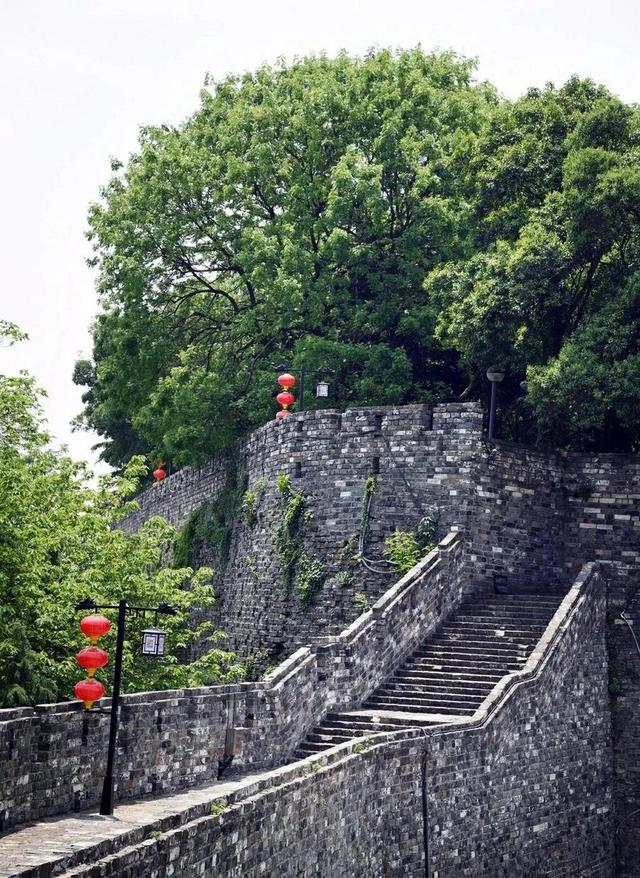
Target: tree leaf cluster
{"points": [[387, 217], [59, 543]]}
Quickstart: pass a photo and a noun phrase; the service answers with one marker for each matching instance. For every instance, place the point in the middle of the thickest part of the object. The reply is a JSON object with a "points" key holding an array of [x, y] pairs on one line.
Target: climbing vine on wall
{"points": [[210, 526], [298, 568], [309, 578]]}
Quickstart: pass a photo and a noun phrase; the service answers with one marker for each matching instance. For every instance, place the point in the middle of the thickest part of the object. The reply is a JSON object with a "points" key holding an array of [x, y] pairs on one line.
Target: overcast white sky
{"points": [[77, 78]]}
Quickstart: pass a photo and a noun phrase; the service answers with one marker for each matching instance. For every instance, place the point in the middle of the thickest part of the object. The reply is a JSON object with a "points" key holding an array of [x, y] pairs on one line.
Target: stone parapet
{"points": [[52, 757]]}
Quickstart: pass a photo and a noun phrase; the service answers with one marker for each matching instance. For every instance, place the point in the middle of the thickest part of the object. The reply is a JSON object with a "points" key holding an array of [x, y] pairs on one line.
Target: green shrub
{"points": [[402, 549], [362, 745], [427, 532]]}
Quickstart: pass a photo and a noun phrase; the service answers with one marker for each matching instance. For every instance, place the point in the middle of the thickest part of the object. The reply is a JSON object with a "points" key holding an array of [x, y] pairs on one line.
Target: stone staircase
{"points": [[449, 676]]}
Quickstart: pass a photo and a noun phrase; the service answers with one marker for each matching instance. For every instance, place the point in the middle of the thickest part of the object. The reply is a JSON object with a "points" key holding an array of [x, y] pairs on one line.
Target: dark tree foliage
{"points": [[387, 217]]}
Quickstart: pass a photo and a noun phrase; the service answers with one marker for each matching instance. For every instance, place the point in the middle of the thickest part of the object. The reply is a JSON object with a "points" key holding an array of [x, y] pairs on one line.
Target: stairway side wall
{"points": [[52, 758], [624, 679], [526, 793], [532, 788]]}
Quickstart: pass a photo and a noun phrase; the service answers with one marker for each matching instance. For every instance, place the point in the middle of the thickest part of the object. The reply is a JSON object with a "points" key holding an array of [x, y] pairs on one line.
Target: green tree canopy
{"points": [[298, 205], [385, 216], [58, 545], [549, 290]]}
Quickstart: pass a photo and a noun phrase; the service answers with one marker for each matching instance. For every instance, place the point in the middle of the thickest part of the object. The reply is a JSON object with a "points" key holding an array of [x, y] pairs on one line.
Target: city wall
{"points": [[51, 757], [533, 516], [522, 789]]}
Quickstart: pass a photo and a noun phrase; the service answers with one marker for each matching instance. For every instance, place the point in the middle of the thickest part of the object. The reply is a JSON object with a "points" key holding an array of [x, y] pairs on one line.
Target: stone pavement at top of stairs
{"points": [[55, 844]]}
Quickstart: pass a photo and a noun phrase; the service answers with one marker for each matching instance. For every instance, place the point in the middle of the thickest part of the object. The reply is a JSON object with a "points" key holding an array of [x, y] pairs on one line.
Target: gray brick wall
{"points": [[522, 790], [535, 516], [52, 758]]}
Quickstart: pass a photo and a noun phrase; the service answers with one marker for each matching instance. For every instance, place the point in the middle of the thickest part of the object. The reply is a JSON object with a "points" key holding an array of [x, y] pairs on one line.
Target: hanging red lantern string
{"points": [[89, 691], [285, 398], [91, 658]]}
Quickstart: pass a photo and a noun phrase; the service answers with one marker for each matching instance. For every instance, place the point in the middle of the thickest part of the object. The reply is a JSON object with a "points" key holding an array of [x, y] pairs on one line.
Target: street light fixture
{"points": [[91, 658], [495, 376], [153, 640]]}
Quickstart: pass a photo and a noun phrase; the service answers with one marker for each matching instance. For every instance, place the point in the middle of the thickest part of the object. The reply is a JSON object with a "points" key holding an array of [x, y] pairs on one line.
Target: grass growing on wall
{"points": [[287, 536], [251, 501]]}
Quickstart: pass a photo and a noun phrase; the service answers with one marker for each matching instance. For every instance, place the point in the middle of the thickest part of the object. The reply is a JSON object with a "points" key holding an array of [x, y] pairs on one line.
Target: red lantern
{"points": [[286, 380], [285, 398], [280, 416], [89, 691], [95, 627], [91, 658], [159, 474]]}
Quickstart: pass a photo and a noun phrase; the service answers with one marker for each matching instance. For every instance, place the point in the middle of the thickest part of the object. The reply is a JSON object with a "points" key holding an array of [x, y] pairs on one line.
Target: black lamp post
{"points": [[153, 642], [495, 376], [322, 387]]}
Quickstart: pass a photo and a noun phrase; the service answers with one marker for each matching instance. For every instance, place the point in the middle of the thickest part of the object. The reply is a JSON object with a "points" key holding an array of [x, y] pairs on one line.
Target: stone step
{"points": [[497, 646], [506, 632], [447, 652], [504, 623], [451, 677], [536, 602], [433, 701], [400, 722], [480, 640], [358, 727], [329, 737], [515, 602], [313, 747], [486, 640], [410, 698], [518, 621], [439, 685], [483, 623], [429, 692], [499, 611], [415, 707], [462, 664]]}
